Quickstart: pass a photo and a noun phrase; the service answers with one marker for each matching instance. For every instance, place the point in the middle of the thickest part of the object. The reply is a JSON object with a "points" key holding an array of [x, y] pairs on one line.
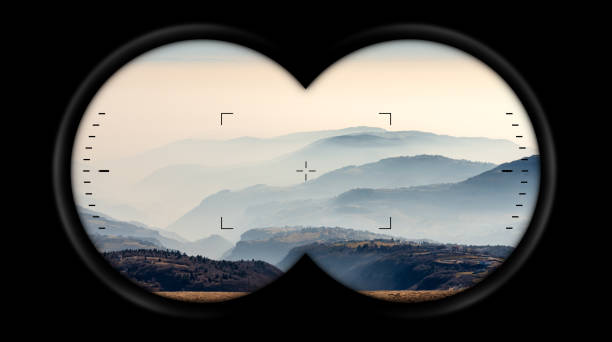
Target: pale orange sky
{"points": [[178, 92]]}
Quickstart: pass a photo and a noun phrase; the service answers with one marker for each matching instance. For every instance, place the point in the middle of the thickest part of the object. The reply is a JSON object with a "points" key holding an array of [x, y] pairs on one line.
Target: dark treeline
{"points": [[399, 265], [171, 270]]}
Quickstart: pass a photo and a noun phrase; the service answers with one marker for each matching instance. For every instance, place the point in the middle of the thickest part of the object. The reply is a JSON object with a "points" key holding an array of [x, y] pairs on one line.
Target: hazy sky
{"points": [[177, 92]]}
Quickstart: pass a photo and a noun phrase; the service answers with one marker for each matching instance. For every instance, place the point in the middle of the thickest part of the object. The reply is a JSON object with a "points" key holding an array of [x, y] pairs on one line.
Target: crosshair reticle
{"points": [[305, 170], [193, 202]]}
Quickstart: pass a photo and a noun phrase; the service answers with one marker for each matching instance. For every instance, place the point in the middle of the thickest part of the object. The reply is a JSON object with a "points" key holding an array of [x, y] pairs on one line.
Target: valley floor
{"points": [[401, 296], [201, 296], [410, 296]]}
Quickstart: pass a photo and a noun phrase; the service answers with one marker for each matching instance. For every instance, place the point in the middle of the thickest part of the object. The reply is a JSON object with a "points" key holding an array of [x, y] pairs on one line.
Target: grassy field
{"points": [[202, 297], [403, 296], [408, 296]]}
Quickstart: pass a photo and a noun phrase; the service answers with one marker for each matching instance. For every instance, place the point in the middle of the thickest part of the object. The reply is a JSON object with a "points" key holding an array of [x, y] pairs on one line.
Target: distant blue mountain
{"points": [[399, 172], [377, 145], [248, 208], [491, 186], [182, 173], [119, 235], [473, 211]]}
